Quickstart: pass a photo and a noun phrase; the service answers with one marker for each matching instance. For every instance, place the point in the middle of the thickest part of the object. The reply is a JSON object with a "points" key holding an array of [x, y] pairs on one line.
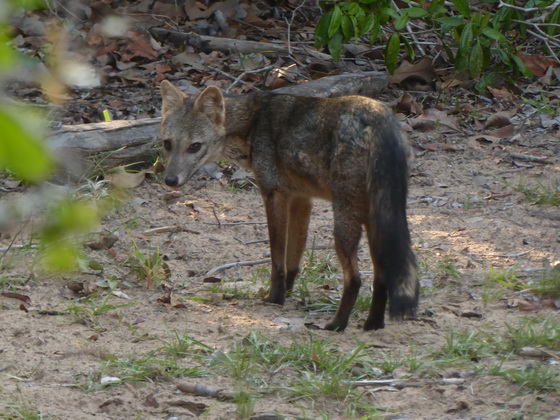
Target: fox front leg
{"points": [[277, 216]]}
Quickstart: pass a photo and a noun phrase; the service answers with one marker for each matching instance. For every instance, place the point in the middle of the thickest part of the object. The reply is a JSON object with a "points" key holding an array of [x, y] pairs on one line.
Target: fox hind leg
{"points": [[298, 223], [277, 216], [347, 233]]}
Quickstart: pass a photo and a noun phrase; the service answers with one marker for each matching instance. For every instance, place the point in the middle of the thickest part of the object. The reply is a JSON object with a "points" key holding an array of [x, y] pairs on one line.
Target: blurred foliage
{"points": [[24, 155]]}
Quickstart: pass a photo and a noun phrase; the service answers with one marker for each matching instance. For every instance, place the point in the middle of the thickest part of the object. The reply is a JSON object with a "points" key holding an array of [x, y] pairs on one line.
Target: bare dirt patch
{"points": [[468, 219]]}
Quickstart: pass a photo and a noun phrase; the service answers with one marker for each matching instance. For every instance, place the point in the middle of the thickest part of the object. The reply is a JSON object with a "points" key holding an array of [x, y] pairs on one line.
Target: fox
{"points": [[348, 150]]}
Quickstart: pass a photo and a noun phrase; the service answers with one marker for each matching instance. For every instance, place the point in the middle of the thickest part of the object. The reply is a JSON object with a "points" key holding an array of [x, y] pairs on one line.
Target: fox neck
{"points": [[238, 122]]}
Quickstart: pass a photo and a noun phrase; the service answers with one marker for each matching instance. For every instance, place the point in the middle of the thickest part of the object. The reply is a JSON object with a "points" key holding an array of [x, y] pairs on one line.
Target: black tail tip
{"points": [[403, 307]]}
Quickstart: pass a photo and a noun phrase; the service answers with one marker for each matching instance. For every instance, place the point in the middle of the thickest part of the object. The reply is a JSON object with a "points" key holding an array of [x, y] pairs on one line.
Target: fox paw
{"points": [[335, 326]]}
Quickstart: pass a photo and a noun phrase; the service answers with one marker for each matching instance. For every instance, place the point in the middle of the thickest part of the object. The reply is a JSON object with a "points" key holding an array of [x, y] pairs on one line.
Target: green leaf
{"points": [[335, 45], [487, 79], [322, 30], [367, 23], [461, 62], [495, 35], [401, 22], [335, 22], [347, 27], [409, 49], [62, 257], [504, 56], [416, 12], [392, 53], [462, 7], [21, 149], [476, 60], [521, 66], [7, 56], [466, 40], [452, 21], [352, 8], [375, 33]]}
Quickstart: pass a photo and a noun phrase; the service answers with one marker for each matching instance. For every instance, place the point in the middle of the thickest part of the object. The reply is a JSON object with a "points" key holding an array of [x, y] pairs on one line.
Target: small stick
{"points": [[235, 223], [7, 248], [236, 264], [529, 158], [216, 216], [165, 229], [242, 75]]}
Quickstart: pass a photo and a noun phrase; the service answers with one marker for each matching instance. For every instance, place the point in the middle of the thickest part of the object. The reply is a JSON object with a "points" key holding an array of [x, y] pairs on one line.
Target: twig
{"points": [[529, 158], [7, 248], [290, 26], [165, 229], [234, 223], [532, 9], [223, 73], [216, 216], [236, 264], [245, 73], [546, 38], [406, 383]]}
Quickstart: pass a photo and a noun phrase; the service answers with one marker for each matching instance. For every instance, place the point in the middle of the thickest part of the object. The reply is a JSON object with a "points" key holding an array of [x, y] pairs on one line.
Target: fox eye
{"points": [[167, 145], [195, 147]]}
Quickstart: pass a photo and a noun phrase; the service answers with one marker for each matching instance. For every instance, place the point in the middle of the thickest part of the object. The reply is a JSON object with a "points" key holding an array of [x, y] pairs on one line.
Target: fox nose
{"points": [[172, 181]]}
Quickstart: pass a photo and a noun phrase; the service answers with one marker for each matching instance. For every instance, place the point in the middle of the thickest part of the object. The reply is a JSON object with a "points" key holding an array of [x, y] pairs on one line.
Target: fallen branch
{"points": [[207, 44]]}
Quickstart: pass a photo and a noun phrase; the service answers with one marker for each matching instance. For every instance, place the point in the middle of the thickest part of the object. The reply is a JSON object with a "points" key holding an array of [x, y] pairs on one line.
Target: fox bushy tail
{"points": [[389, 237]]}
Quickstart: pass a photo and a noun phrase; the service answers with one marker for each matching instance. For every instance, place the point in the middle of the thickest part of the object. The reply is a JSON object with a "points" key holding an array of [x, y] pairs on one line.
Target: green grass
{"points": [[21, 411], [537, 377], [500, 282], [150, 267], [88, 310], [539, 194], [548, 284]]}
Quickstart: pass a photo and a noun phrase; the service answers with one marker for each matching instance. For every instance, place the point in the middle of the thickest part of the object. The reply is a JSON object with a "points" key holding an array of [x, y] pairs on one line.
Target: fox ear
{"points": [[211, 103], [172, 98]]}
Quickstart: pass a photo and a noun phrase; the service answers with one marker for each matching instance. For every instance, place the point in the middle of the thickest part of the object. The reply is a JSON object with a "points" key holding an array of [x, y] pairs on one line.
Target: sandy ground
{"points": [[463, 217]]}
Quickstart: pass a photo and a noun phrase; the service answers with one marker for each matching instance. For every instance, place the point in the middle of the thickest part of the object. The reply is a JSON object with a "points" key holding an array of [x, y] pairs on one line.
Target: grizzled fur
{"points": [[348, 150]]}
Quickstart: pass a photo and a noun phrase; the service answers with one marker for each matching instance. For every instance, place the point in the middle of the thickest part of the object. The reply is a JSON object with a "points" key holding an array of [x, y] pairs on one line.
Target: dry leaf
{"points": [[499, 119], [422, 71], [538, 63], [500, 94], [120, 178], [408, 105], [503, 132]]}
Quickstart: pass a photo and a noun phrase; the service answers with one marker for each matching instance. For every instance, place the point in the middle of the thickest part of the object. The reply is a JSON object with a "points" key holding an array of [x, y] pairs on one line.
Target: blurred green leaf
{"points": [[335, 22], [322, 30], [476, 59], [416, 12], [462, 7], [21, 148], [392, 53], [335, 45]]}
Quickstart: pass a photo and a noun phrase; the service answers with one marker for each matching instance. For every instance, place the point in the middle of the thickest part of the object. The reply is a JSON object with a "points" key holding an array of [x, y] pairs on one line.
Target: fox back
{"points": [[348, 150]]}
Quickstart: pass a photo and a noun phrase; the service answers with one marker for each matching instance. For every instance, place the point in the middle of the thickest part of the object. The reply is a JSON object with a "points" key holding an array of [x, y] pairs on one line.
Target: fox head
{"points": [[192, 131]]}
